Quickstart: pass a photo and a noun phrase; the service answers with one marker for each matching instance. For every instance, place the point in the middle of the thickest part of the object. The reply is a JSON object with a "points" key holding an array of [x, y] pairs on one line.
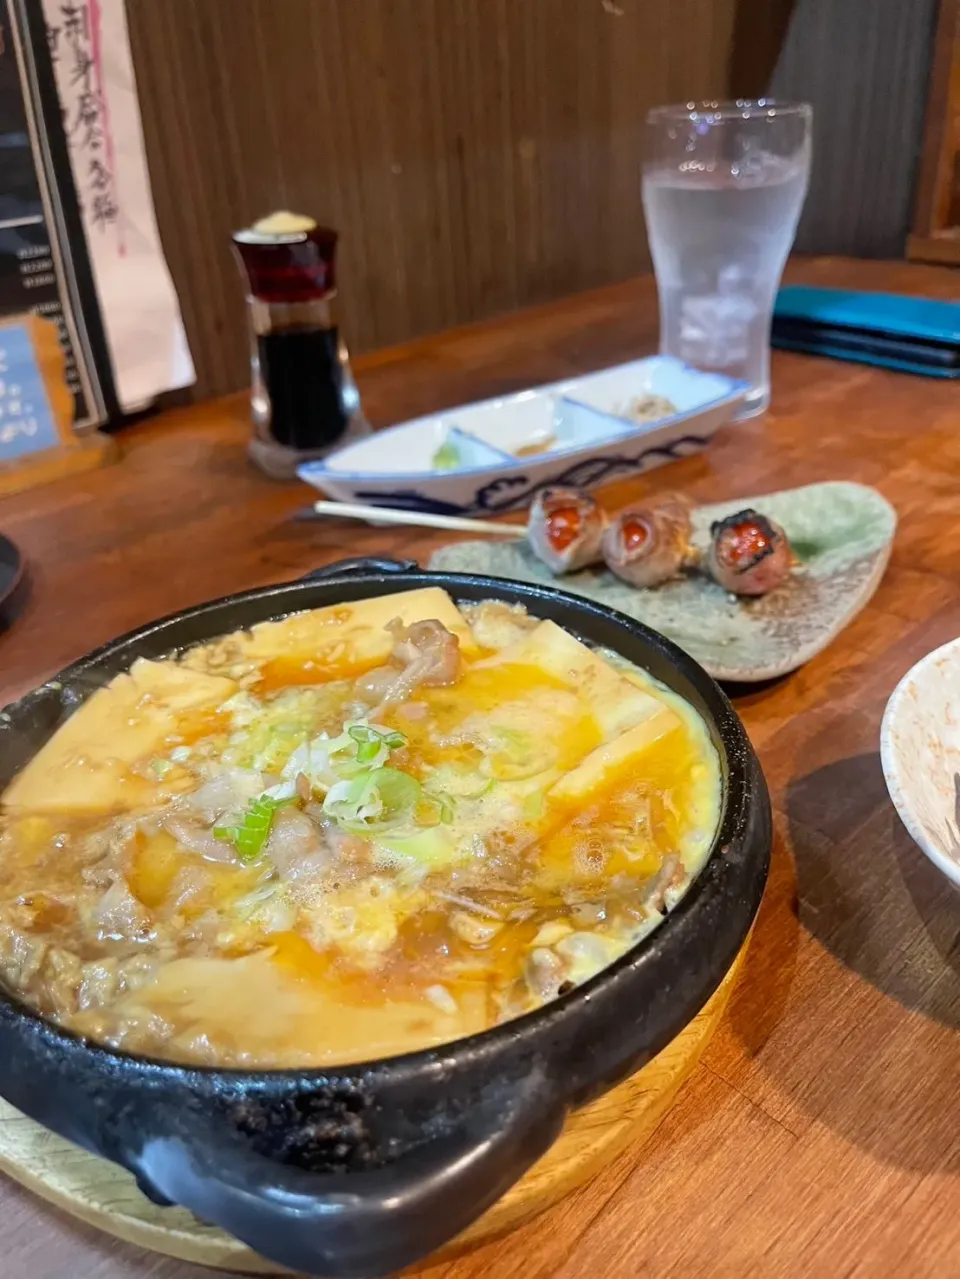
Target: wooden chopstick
{"points": [[421, 519]]}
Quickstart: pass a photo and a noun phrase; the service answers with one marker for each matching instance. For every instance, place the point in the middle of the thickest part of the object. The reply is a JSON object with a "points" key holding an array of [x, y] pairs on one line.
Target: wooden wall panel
{"points": [[864, 64], [477, 155]]}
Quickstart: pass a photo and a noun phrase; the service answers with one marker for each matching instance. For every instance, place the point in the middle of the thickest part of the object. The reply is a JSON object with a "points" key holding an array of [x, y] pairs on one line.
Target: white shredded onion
{"points": [[441, 998]]}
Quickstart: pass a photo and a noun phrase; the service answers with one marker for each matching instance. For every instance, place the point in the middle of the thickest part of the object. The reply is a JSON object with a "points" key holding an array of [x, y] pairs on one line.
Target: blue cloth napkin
{"points": [[890, 330]]}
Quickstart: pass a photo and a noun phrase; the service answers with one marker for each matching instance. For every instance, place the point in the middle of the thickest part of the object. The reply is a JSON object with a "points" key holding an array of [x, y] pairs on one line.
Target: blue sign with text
{"points": [[26, 421]]}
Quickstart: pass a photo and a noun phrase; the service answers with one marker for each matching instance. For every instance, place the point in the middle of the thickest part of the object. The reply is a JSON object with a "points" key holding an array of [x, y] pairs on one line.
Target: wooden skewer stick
{"points": [[423, 519]]}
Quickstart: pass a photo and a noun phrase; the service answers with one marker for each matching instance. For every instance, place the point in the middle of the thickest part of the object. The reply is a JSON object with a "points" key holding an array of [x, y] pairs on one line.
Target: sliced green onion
{"points": [[253, 831], [354, 800], [375, 801], [446, 809], [441, 802], [342, 755], [362, 746], [398, 790], [371, 740]]}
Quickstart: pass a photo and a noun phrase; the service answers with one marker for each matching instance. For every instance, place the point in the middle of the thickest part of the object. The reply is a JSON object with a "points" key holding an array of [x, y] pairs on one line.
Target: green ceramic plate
{"points": [[841, 533]]}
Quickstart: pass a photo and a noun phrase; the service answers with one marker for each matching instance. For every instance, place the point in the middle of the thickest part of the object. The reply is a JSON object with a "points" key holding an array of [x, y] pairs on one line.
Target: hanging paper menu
{"points": [[90, 52], [44, 267]]}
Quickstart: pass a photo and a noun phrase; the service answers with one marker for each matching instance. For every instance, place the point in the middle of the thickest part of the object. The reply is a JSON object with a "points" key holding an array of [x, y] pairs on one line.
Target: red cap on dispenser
{"points": [[288, 258]]}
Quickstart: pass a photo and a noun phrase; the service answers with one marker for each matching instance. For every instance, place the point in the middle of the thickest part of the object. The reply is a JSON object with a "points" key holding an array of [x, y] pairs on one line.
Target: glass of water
{"points": [[723, 186]]}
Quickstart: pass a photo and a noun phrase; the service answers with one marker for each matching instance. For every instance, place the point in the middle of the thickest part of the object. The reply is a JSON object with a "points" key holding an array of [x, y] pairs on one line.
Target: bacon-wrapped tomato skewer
{"points": [[749, 553], [649, 543], [565, 529]]}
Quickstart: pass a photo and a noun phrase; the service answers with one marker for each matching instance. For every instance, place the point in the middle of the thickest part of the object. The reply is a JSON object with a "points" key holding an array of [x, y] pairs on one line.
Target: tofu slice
{"points": [[606, 763], [297, 1022], [84, 768], [355, 633], [615, 702], [631, 720]]}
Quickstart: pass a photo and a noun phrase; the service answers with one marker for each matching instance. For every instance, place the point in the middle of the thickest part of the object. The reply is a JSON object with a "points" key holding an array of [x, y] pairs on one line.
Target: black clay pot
{"points": [[358, 1171]]}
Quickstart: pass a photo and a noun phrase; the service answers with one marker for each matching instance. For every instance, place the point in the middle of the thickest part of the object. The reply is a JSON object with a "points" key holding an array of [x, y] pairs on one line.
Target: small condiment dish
{"points": [[495, 455]]}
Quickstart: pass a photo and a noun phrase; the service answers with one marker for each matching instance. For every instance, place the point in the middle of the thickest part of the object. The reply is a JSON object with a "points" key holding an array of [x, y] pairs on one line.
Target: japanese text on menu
{"points": [[74, 37]]}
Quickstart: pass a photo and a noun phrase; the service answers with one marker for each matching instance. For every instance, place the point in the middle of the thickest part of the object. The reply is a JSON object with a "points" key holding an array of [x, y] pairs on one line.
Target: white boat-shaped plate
{"points": [[464, 461]]}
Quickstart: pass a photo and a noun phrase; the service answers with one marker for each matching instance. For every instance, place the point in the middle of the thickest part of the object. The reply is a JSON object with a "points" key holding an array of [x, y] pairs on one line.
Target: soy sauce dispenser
{"points": [[304, 401]]}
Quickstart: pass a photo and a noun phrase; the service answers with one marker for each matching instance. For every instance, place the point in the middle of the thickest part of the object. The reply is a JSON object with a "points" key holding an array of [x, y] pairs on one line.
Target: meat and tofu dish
{"points": [[348, 833]]}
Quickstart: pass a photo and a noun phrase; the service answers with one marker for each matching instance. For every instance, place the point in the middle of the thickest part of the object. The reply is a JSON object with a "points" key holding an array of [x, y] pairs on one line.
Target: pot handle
{"points": [[354, 1225], [358, 566]]}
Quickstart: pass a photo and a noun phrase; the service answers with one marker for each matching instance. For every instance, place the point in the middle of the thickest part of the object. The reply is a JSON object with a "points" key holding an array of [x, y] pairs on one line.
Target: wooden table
{"points": [[819, 1136]]}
